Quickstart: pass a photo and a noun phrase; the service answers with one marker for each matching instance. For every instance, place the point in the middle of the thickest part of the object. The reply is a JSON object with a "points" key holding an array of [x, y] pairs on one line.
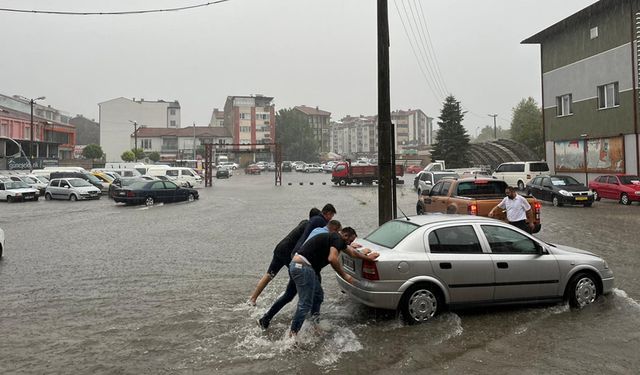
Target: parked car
{"points": [[252, 169], [123, 182], [560, 190], [518, 173], [72, 189], [271, 167], [286, 166], [228, 164], [432, 261], [328, 166], [299, 166], [1, 242], [262, 165], [623, 188], [12, 191], [312, 168], [31, 181], [150, 192], [223, 172], [93, 180], [413, 169], [426, 180]]}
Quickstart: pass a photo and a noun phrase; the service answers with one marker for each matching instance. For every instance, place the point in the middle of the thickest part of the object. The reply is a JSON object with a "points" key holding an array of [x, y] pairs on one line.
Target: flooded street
{"points": [[98, 288]]}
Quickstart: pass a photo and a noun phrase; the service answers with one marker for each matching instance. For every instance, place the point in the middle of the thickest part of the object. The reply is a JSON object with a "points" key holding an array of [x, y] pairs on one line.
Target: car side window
{"points": [[445, 188], [55, 183], [170, 185], [157, 185], [424, 177], [507, 241], [612, 180], [460, 239], [1, 185], [518, 167], [64, 183], [436, 189], [500, 168], [601, 179], [546, 181], [172, 173]]}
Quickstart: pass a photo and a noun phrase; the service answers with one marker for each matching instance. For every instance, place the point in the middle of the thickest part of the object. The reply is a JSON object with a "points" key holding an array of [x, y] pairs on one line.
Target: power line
{"points": [[68, 13], [430, 45]]}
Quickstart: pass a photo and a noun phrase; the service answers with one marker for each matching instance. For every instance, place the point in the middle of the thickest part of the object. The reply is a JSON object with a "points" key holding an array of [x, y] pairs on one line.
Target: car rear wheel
{"points": [[419, 209], [582, 290], [191, 198], [420, 303], [596, 196], [9, 199], [624, 199], [47, 196], [556, 201], [149, 201], [73, 198]]}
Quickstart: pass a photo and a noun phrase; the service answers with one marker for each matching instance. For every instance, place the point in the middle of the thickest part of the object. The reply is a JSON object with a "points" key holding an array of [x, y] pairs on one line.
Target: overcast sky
{"points": [[312, 52]]}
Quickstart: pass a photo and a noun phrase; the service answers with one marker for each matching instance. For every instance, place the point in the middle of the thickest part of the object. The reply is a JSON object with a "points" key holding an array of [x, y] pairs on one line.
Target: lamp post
{"points": [[495, 131], [32, 102], [194, 141], [135, 139]]}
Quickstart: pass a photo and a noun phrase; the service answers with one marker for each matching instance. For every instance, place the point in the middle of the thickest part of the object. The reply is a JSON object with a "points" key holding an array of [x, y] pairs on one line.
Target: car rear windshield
{"points": [[628, 180], [481, 187], [391, 233], [538, 167]]}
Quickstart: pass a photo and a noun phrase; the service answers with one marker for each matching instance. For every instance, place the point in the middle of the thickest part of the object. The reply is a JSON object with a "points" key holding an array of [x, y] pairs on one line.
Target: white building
{"points": [[117, 117], [174, 144]]}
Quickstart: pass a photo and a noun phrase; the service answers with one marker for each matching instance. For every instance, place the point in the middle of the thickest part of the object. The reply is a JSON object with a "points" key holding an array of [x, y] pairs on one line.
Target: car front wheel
{"points": [[596, 196], [149, 201], [47, 196], [582, 290], [191, 198], [624, 199], [421, 303], [556, 201], [73, 198]]}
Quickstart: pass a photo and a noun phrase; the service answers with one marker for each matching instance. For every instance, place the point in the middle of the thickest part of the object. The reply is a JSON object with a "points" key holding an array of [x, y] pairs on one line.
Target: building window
{"points": [[608, 96], [245, 116], [564, 103], [172, 123], [594, 32], [146, 144], [172, 112], [245, 129]]}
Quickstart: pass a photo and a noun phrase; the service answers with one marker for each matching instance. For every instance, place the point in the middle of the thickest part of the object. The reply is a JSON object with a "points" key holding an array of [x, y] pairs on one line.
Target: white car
{"points": [[32, 182], [328, 166], [228, 164], [1, 242], [299, 166], [12, 191], [310, 168]]}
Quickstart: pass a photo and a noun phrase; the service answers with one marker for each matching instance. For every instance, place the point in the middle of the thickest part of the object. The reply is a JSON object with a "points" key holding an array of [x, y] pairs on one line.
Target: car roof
{"points": [[429, 219]]}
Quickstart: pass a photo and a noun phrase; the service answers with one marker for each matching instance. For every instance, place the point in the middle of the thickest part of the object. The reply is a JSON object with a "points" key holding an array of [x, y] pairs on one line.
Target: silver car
{"points": [[429, 262], [72, 189]]}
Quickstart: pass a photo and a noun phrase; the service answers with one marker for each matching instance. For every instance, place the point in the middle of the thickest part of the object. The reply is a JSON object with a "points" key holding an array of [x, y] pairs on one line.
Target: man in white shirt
{"points": [[518, 210]]}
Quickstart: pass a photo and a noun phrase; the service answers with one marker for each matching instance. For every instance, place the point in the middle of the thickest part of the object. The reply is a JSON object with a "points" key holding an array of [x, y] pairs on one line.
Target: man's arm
{"points": [[364, 254], [493, 210], [335, 264]]}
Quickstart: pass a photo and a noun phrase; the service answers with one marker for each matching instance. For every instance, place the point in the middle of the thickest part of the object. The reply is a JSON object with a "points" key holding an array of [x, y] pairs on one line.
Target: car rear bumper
{"points": [[381, 300]]}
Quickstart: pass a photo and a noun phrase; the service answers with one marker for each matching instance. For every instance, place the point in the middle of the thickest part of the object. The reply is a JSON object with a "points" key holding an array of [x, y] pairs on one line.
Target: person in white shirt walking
{"points": [[519, 212]]}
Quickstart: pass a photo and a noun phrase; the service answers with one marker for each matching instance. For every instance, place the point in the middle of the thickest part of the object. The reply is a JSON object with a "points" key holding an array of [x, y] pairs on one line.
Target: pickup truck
{"points": [[345, 173], [472, 196]]}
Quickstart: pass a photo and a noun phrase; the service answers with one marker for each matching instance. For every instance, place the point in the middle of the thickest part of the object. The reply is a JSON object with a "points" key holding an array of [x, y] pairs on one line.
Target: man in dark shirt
{"points": [[318, 221], [305, 267], [282, 255]]}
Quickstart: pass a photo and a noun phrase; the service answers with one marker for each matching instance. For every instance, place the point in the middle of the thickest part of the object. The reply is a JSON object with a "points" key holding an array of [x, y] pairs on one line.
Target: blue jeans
{"points": [[310, 293], [286, 297]]}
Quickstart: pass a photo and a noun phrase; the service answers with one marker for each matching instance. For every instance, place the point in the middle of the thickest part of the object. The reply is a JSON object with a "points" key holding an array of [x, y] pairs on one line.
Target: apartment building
{"points": [[355, 136], [217, 118], [412, 128], [117, 118], [250, 119], [590, 90], [319, 122]]}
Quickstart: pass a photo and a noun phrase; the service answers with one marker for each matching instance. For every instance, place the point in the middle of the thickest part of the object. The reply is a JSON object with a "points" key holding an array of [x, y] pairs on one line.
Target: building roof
{"points": [[200, 131], [568, 22], [312, 111], [171, 104], [18, 115]]}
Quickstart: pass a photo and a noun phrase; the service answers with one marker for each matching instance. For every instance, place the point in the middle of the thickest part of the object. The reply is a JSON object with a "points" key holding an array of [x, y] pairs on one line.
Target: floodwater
{"points": [[98, 288]]}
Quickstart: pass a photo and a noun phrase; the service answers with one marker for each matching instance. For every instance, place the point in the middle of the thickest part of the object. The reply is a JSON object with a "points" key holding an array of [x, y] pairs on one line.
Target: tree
{"points": [[526, 126], [452, 139], [486, 134], [154, 156], [128, 156], [138, 153], [92, 151], [296, 136]]}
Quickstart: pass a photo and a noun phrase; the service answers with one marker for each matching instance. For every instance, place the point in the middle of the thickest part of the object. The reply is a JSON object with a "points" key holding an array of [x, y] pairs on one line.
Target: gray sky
{"points": [[313, 52]]}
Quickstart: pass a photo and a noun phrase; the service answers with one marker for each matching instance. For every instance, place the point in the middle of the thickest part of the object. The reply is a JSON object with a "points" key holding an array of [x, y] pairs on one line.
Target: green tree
{"points": [[128, 156], [296, 136], [486, 134], [452, 139], [154, 156], [138, 153], [526, 126], [92, 151]]}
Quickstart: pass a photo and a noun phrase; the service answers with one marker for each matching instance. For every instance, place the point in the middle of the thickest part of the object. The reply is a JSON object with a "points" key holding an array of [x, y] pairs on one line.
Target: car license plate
{"points": [[348, 263], [122, 193], [581, 198]]}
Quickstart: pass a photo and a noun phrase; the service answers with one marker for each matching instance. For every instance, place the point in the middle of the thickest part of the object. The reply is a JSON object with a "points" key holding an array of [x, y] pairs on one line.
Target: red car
{"points": [[252, 169], [413, 169], [621, 187]]}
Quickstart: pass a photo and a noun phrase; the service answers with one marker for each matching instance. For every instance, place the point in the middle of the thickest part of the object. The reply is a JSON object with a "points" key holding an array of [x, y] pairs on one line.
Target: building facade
{"points": [[355, 136], [180, 144], [217, 118], [53, 137], [88, 131], [413, 128], [590, 90], [319, 121], [250, 119], [117, 117]]}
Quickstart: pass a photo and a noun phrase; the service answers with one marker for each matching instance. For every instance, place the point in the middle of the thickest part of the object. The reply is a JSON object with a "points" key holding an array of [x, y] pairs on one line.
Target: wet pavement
{"points": [[94, 287]]}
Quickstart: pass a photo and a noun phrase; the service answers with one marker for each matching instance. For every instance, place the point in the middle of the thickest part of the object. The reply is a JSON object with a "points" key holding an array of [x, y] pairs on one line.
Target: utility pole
{"points": [[495, 129], [194, 140], [385, 148], [32, 102], [135, 139]]}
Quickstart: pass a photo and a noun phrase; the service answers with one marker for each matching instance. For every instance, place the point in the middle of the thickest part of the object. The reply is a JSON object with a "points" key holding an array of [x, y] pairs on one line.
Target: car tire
{"points": [[556, 202], [596, 196], [624, 199], [419, 209], [419, 192], [73, 198], [191, 198], [582, 290], [420, 303], [588, 204], [148, 202], [520, 185], [47, 196], [36, 199], [343, 182], [9, 199]]}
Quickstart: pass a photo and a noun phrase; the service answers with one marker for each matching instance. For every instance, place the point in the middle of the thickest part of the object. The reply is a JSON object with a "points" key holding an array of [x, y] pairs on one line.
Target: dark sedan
{"points": [[223, 172], [150, 192], [560, 190], [122, 182]]}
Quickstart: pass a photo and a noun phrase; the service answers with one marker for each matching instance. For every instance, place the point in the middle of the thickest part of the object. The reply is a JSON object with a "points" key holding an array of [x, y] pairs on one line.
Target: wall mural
{"points": [[600, 155]]}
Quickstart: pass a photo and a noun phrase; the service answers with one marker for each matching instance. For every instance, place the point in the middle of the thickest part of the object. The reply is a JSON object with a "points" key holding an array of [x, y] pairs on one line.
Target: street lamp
{"points": [[135, 138], [32, 102]]}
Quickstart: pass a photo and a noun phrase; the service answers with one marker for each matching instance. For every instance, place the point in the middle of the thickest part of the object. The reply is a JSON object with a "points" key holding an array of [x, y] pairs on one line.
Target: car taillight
{"points": [[370, 270], [536, 209], [528, 177], [472, 209], [130, 194]]}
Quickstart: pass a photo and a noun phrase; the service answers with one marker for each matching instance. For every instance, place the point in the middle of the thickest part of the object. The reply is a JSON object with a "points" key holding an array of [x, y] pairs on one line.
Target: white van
{"points": [[518, 173], [181, 175]]}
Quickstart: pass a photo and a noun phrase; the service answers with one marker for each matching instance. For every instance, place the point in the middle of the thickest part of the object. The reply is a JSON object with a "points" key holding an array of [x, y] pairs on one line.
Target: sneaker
{"points": [[263, 323]]}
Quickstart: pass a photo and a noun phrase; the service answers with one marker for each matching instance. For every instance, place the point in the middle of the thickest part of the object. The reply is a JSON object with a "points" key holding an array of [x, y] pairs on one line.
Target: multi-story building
{"points": [[319, 121], [117, 118], [88, 131], [412, 128], [250, 119], [175, 144], [217, 118], [590, 90], [53, 137], [355, 136]]}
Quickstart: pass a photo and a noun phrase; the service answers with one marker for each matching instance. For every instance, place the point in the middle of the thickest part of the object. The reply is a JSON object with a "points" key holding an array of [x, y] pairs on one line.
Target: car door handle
{"points": [[445, 266], [503, 265]]}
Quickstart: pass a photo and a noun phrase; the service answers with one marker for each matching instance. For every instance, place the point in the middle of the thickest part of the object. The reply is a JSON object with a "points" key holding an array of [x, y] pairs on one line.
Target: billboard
{"points": [[598, 155], [570, 156]]}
